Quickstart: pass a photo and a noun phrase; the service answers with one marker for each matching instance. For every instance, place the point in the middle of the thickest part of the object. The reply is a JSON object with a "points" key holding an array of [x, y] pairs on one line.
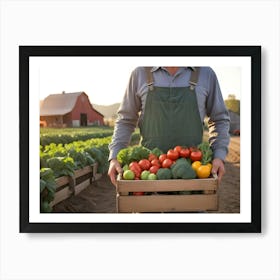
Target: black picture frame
{"points": [[253, 52]]}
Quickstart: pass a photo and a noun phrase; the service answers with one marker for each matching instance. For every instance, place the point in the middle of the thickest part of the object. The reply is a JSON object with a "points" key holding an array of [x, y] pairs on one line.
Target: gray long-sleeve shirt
{"points": [[209, 98]]}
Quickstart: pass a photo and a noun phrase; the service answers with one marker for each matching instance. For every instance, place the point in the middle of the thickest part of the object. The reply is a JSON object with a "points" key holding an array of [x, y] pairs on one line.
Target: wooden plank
{"points": [[61, 181], [83, 171], [166, 185], [70, 187], [94, 168], [167, 203], [61, 195], [80, 187]]}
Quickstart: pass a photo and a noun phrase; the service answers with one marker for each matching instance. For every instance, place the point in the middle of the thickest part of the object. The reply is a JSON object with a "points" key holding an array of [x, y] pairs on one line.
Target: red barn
{"points": [[69, 110]]}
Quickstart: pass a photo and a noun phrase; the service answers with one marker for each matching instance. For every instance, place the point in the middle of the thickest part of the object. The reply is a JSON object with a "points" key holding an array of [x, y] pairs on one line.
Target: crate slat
{"points": [[166, 185], [61, 195], [80, 187], [83, 171], [156, 202], [167, 203], [67, 186], [62, 181]]}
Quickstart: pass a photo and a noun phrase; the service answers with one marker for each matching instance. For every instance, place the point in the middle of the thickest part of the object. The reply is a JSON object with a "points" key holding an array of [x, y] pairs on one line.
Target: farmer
{"points": [[169, 104]]}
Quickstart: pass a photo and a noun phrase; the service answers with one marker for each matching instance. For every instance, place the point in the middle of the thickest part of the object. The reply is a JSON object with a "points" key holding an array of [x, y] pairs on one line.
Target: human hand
{"points": [[114, 169], [218, 168]]}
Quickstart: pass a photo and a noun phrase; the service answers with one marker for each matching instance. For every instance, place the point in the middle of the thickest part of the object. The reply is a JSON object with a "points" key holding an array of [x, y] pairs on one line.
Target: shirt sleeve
{"points": [[127, 119], [219, 120]]}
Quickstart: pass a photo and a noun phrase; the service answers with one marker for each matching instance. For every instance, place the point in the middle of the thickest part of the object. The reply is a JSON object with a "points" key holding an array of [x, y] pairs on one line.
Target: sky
{"points": [[104, 79]]}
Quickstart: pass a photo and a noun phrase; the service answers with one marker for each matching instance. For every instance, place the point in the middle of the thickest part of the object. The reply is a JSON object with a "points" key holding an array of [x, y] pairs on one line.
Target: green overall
{"points": [[171, 116]]}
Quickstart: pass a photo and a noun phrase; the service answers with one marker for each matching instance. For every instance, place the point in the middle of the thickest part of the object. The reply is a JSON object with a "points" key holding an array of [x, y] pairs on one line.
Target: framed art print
{"points": [[69, 100]]}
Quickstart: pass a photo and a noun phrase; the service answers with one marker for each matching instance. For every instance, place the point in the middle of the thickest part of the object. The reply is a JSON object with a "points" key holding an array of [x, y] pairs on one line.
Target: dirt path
{"points": [[100, 196], [229, 190]]}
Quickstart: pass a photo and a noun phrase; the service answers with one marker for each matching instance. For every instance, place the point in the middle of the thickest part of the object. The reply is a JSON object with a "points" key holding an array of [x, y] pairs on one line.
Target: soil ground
{"points": [[100, 196]]}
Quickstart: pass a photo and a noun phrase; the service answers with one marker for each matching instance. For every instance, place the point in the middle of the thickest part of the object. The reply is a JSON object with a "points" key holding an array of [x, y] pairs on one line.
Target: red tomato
{"points": [[144, 164], [172, 154], [185, 153], [135, 167], [178, 149], [154, 169], [162, 157], [136, 172], [135, 164], [138, 193], [196, 155], [193, 149], [152, 157], [156, 162], [167, 163]]}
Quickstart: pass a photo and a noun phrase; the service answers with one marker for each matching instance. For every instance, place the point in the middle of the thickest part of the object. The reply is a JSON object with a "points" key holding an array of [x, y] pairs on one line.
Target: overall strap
{"points": [[194, 78], [150, 79]]}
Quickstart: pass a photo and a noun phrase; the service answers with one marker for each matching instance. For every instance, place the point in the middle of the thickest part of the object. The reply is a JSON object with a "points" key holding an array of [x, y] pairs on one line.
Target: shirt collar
{"points": [[154, 68]]}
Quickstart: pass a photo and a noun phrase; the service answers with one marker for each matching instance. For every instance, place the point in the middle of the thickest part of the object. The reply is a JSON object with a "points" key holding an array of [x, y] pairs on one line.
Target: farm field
{"points": [[100, 196], [68, 135]]}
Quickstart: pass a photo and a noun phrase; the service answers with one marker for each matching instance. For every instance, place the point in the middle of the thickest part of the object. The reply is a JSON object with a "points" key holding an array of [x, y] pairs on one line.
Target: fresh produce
{"points": [[152, 157], [203, 171], [196, 164], [128, 175], [138, 193], [167, 163], [145, 164], [181, 169], [196, 155], [162, 157], [154, 169], [152, 176], [179, 162], [135, 167], [173, 154], [157, 152], [185, 153], [132, 153], [206, 151], [164, 174], [178, 149], [156, 162], [144, 175]]}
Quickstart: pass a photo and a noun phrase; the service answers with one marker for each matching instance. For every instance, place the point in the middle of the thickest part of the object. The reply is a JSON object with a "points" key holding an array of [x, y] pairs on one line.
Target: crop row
{"points": [[69, 135], [57, 160], [62, 159]]}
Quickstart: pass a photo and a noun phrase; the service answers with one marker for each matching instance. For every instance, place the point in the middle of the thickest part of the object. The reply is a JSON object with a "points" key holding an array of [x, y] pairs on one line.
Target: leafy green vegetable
{"points": [[157, 152], [69, 135], [164, 174], [132, 153], [60, 157], [207, 153], [61, 166], [181, 169], [101, 158], [47, 189]]}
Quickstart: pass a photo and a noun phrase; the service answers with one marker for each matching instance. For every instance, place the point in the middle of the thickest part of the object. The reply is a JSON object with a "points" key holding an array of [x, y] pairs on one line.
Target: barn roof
{"points": [[60, 104]]}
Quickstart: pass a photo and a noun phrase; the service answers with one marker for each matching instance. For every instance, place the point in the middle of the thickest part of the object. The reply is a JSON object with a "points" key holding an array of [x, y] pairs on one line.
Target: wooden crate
{"points": [[67, 186], [194, 195]]}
